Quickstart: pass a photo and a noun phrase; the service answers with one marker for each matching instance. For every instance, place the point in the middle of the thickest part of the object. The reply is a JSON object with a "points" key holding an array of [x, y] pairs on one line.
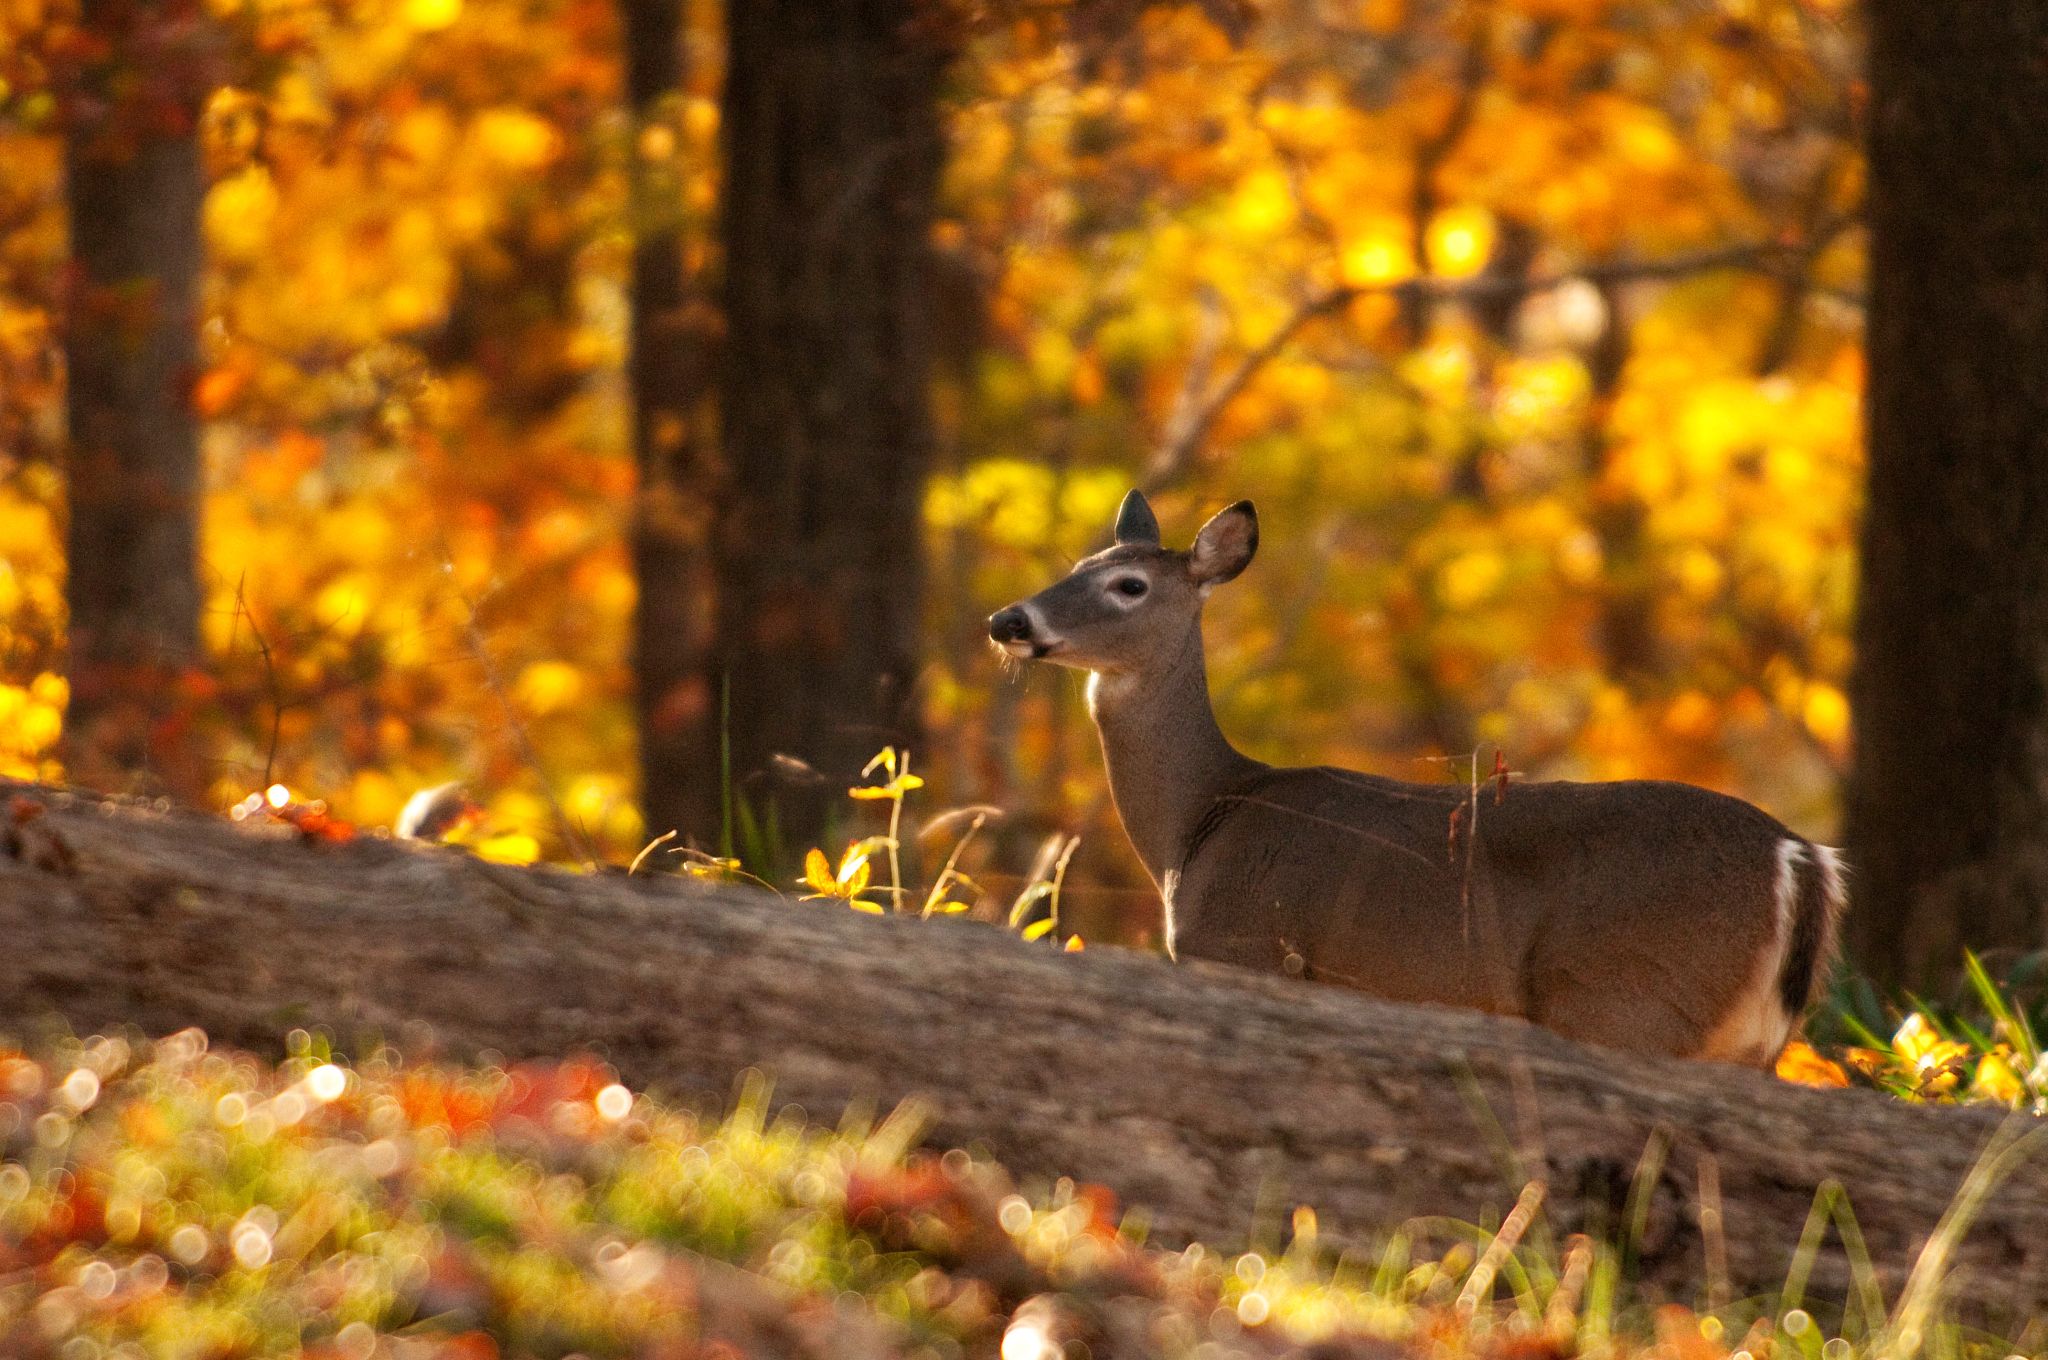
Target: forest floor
{"points": [[165, 1199]]}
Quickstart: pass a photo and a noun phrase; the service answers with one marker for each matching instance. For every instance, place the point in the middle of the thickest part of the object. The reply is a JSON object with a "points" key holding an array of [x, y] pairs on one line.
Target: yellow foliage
{"points": [[1460, 240], [548, 687], [510, 847], [1263, 203], [1996, 1080], [1826, 711], [846, 883], [1700, 573], [516, 139], [239, 212], [430, 15], [1470, 578], [31, 720], [1375, 261]]}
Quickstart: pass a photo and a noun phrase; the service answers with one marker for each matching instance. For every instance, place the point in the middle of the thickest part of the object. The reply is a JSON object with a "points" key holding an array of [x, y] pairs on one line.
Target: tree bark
{"points": [[669, 375], [832, 151], [133, 187], [1948, 803], [1211, 1099]]}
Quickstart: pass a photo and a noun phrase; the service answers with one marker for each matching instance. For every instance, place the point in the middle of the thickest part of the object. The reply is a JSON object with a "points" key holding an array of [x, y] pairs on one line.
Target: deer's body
{"points": [[1654, 917]]}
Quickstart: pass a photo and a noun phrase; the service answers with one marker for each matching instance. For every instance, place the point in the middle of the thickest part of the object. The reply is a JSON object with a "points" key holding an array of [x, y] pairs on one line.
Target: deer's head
{"points": [[1131, 606]]}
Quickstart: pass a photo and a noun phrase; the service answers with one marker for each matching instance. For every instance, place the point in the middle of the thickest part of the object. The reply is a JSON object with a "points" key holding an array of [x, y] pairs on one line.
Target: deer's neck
{"points": [[1167, 758]]}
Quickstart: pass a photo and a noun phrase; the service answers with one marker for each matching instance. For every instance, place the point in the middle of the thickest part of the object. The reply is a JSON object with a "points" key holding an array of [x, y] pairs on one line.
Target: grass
{"points": [[169, 1200]]}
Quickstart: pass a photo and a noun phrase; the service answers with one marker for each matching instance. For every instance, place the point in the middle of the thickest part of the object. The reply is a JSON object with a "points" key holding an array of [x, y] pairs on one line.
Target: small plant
{"points": [[901, 781], [1985, 1049], [844, 884], [1046, 881], [852, 880]]}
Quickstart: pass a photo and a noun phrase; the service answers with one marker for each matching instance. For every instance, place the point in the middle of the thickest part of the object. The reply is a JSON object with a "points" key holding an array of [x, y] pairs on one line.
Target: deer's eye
{"points": [[1131, 587]]}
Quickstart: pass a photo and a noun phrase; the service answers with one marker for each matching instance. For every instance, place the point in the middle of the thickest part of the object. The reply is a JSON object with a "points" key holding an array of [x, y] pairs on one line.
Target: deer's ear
{"points": [[1225, 546], [1135, 522]]}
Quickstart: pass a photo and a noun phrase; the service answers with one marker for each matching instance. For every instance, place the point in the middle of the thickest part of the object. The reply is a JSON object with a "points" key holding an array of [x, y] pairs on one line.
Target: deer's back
{"points": [[1629, 913]]}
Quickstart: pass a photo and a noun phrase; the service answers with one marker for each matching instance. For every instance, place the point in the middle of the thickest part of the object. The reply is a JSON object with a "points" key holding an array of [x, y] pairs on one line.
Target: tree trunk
{"points": [[1213, 1100], [832, 153], [133, 187], [669, 376], [1948, 804]]}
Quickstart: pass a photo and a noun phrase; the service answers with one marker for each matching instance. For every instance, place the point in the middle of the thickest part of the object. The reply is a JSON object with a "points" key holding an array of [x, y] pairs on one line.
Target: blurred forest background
{"points": [[591, 400]]}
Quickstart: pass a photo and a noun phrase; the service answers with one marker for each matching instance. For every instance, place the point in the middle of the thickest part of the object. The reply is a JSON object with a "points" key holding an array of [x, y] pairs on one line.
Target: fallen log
{"points": [[1212, 1100]]}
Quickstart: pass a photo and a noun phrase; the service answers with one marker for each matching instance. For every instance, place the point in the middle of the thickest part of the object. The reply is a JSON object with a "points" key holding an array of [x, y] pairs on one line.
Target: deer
{"points": [[1652, 917]]}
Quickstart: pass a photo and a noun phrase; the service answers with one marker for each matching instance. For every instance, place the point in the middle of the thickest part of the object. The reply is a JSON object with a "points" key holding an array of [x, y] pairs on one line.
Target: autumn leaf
{"points": [[1995, 1080], [512, 847], [1802, 1064], [847, 882], [818, 872], [1915, 1039], [895, 788]]}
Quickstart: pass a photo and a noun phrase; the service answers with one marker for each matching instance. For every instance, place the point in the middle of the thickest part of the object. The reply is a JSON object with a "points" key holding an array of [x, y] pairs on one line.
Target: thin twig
{"points": [[480, 649], [1171, 460], [648, 849], [270, 680], [944, 882], [1191, 400], [1359, 832], [1471, 849]]}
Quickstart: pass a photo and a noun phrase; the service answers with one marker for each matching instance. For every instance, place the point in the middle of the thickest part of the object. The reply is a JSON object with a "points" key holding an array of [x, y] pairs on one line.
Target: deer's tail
{"points": [[1811, 898]]}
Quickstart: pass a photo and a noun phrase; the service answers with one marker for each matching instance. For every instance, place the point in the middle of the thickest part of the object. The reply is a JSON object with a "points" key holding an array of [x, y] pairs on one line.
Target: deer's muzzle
{"points": [[1012, 629]]}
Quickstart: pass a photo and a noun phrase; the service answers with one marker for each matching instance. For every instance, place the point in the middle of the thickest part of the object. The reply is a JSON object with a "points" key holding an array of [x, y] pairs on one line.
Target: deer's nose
{"points": [[1010, 625]]}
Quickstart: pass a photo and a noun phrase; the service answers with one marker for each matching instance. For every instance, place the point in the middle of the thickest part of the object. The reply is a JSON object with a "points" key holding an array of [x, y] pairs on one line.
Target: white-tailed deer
{"points": [[1649, 916]]}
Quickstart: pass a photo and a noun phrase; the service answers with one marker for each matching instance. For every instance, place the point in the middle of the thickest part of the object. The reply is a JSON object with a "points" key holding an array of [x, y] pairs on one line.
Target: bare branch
{"points": [[479, 646], [1189, 428], [1171, 460]]}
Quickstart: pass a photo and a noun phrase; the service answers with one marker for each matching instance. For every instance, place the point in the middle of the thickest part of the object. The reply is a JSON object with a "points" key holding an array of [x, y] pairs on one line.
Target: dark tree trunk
{"points": [[133, 187], [1948, 805], [669, 376], [832, 153]]}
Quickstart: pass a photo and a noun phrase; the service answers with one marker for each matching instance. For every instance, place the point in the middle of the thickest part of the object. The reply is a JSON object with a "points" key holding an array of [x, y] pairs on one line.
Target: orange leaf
{"points": [[1802, 1064], [216, 390], [818, 872]]}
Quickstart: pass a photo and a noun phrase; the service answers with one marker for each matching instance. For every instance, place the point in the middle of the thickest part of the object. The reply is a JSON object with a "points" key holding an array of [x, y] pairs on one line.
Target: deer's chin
{"points": [[1035, 651]]}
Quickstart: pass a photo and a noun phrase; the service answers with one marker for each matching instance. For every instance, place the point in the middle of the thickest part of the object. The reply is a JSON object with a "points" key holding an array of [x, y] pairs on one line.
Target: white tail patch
{"points": [[1832, 880], [1756, 1025], [1834, 891]]}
